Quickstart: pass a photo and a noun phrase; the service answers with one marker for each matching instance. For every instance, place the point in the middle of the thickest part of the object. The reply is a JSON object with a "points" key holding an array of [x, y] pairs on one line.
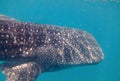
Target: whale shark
{"points": [[28, 49]]}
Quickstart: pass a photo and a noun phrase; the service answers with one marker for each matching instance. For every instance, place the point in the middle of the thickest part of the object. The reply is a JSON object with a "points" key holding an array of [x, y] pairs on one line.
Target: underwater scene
{"points": [[101, 18]]}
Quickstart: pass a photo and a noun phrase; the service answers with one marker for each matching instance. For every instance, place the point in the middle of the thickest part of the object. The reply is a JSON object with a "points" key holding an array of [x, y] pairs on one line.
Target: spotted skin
{"points": [[29, 49]]}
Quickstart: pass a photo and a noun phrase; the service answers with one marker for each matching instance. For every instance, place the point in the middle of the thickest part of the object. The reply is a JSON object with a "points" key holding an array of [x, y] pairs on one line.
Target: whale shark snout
{"points": [[29, 49]]}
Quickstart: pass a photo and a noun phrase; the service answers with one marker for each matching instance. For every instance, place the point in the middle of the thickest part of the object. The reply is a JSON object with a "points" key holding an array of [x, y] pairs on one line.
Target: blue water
{"points": [[101, 18]]}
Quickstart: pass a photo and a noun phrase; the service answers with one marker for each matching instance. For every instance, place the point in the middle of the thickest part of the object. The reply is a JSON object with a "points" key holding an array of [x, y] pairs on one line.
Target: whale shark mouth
{"points": [[30, 49]]}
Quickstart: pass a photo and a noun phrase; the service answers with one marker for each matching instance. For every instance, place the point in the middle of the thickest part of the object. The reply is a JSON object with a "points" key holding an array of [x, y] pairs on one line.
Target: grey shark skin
{"points": [[30, 49]]}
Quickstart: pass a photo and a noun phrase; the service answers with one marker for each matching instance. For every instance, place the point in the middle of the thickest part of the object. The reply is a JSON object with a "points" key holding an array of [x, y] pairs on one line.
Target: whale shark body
{"points": [[29, 49]]}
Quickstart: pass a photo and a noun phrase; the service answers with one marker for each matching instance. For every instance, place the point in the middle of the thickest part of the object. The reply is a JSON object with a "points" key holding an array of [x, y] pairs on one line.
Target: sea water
{"points": [[101, 18]]}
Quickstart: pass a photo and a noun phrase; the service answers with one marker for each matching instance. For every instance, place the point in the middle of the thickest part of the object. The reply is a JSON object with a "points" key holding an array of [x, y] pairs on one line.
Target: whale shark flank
{"points": [[29, 49]]}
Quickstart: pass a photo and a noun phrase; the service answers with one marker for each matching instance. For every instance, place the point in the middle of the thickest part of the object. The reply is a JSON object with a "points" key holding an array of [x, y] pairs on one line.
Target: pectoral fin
{"points": [[21, 72]]}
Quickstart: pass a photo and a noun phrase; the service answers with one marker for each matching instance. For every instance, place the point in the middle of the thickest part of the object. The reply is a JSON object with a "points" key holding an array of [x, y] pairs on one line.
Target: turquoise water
{"points": [[101, 18]]}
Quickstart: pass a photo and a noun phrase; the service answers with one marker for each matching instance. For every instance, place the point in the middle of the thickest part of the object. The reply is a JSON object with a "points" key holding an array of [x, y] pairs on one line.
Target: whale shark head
{"points": [[29, 49]]}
